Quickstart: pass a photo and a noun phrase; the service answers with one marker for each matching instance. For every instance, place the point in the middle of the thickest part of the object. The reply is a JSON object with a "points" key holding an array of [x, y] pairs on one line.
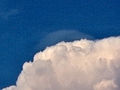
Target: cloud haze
{"points": [[6, 14], [78, 65], [61, 35]]}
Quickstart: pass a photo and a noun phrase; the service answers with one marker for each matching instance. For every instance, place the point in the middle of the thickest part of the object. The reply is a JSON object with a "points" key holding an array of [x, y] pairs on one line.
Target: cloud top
{"points": [[78, 65]]}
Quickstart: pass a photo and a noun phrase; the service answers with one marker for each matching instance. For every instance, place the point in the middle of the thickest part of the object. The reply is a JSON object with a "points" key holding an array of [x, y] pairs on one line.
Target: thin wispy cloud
{"points": [[62, 35], [9, 13]]}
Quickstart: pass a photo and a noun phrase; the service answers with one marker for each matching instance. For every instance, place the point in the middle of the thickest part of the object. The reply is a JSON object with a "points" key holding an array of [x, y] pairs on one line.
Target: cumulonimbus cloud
{"points": [[78, 65]]}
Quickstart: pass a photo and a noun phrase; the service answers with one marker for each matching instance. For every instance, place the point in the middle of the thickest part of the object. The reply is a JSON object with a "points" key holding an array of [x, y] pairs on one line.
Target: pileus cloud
{"points": [[78, 65]]}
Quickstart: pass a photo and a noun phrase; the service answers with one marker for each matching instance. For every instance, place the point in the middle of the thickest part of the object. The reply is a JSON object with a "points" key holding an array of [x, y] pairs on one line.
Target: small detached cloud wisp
{"points": [[6, 14], [78, 65]]}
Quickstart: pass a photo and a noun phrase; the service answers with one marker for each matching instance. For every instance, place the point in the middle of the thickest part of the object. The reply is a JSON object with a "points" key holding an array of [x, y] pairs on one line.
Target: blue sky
{"points": [[28, 26]]}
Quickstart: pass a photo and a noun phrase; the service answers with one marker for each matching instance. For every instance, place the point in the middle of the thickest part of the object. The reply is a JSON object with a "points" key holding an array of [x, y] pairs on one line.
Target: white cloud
{"points": [[78, 65], [105, 85]]}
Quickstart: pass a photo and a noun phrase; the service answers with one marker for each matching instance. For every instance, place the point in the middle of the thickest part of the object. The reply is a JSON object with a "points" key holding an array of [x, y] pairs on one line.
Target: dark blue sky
{"points": [[28, 26]]}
